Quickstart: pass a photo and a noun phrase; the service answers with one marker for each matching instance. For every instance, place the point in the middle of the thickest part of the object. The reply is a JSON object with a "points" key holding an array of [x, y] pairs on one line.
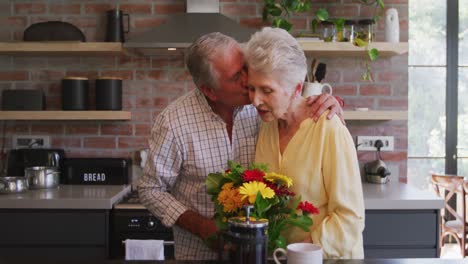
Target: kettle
{"points": [[247, 240], [376, 171]]}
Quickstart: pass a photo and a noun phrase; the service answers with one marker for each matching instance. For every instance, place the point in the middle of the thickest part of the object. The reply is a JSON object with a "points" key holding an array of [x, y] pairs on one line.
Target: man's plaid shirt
{"points": [[188, 141]]}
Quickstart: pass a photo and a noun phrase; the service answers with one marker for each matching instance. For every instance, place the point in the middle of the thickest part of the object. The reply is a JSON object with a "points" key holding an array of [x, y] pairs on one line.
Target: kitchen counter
{"points": [[365, 261], [66, 197], [398, 196]]}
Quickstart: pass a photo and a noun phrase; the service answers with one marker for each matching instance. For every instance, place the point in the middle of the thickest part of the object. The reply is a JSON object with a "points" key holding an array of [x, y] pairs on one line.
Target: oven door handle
{"points": [[165, 243]]}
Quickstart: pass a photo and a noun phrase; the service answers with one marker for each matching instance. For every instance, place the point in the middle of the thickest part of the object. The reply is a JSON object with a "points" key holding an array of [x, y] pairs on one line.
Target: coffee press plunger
{"points": [[247, 240]]}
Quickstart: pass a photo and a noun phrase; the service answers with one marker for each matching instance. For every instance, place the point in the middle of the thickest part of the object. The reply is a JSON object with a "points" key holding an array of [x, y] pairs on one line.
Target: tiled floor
{"points": [[450, 251]]}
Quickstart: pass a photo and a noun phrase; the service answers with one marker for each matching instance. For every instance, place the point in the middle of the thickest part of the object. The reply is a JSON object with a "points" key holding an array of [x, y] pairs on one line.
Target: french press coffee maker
{"points": [[246, 240]]}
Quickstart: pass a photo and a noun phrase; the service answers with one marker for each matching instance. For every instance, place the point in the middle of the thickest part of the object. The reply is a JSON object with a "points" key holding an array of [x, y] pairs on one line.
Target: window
{"points": [[437, 89]]}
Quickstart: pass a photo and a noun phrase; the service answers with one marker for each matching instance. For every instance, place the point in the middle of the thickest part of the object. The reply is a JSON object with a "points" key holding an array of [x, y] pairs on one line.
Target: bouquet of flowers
{"points": [[267, 191]]}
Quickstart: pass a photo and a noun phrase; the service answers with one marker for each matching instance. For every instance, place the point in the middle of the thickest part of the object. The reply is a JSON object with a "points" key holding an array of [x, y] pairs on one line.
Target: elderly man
{"points": [[196, 135]]}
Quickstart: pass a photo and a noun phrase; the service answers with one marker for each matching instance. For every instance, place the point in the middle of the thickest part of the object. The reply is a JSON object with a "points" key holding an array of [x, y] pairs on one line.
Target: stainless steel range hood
{"points": [[181, 30]]}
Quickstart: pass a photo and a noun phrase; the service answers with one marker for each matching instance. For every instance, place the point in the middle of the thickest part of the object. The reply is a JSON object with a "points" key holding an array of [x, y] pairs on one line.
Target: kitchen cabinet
{"points": [[61, 48], [65, 115], [68, 221], [401, 234], [401, 221], [54, 233]]}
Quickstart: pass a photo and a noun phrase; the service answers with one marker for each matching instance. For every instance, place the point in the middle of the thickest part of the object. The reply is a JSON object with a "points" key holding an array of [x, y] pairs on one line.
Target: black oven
{"points": [[135, 222]]}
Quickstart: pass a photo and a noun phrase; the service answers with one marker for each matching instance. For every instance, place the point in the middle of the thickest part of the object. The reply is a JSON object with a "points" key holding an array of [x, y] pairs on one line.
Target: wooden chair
{"points": [[452, 223]]}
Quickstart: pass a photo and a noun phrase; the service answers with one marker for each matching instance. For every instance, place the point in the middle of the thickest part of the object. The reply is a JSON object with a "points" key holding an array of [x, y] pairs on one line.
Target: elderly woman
{"points": [[319, 156]]}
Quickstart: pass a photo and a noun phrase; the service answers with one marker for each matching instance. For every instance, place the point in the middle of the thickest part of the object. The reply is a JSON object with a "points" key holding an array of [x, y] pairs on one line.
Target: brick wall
{"points": [[151, 83]]}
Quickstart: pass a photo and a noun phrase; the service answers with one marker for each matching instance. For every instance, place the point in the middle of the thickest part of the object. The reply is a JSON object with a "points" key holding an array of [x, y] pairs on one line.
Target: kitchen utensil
{"points": [[13, 185], [320, 72], [19, 159], [97, 171], [115, 27], [247, 238], [42, 177], [75, 93], [53, 31], [109, 93]]}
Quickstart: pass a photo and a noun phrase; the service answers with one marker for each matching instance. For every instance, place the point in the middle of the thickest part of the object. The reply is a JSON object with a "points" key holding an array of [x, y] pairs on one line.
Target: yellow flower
{"points": [[278, 178], [250, 190], [230, 198]]}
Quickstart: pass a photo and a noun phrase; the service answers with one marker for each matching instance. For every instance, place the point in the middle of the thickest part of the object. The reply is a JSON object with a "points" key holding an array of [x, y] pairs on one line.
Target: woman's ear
{"points": [[298, 89]]}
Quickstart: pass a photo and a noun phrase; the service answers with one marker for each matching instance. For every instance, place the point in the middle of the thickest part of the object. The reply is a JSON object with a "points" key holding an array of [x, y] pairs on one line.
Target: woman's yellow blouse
{"points": [[321, 159]]}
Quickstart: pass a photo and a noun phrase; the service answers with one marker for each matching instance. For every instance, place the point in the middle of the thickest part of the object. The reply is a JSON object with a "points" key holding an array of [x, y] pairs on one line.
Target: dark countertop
{"points": [[101, 261]]}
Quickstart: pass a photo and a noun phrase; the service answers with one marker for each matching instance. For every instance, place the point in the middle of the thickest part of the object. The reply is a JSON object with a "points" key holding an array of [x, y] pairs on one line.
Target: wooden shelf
{"points": [[376, 115], [345, 49], [67, 48], [65, 115]]}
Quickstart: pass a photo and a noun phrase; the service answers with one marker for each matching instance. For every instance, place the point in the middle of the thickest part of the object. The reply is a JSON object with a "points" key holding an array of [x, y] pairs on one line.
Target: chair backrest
{"points": [[446, 186]]}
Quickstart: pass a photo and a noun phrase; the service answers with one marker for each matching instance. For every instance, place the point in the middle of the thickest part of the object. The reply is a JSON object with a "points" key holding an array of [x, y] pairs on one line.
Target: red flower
{"points": [[283, 190], [307, 207], [227, 171], [253, 175]]}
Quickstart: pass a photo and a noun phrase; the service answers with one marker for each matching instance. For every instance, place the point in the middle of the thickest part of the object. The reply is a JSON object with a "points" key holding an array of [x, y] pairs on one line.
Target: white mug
{"points": [[315, 88], [300, 253]]}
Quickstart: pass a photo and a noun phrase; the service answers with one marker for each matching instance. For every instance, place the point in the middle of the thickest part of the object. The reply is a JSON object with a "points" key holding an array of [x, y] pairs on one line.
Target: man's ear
{"points": [[208, 92]]}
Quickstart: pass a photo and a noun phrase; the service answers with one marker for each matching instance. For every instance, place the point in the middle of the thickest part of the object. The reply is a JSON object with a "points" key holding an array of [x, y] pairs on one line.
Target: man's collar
{"points": [[207, 108]]}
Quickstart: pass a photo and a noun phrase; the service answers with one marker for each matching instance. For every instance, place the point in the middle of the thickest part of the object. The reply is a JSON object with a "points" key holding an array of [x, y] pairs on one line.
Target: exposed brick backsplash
{"points": [[151, 83]]}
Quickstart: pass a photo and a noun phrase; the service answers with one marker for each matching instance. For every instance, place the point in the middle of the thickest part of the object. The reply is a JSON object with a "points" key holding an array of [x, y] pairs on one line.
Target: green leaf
{"points": [[373, 54], [275, 11], [214, 183], [302, 221], [322, 14], [259, 166], [280, 242], [339, 23], [381, 4], [261, 205], [282, 23], [296, 203], [360, 43]]}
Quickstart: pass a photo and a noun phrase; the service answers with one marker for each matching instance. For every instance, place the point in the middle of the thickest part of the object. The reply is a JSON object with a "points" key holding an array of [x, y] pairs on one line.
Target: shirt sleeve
{"points": [[340, 233], [160, 173]]}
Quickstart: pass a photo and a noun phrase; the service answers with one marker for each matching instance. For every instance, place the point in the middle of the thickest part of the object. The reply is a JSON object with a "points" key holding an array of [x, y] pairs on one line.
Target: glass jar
{"points": [[328, 30], [349, 31], [365, 30]]}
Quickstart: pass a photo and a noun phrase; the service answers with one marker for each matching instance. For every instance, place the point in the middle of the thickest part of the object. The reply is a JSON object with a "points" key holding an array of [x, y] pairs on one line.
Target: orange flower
{"points": [[230, 198]]}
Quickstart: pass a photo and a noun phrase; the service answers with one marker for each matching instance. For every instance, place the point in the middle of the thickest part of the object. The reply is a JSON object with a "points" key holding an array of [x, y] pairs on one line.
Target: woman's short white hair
{"points": [[274, 52], [200, 55]]}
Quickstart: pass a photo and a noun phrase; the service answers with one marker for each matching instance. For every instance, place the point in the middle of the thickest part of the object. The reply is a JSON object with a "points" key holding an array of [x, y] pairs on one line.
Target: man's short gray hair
{"points": [[274, 52], [200, 54]]}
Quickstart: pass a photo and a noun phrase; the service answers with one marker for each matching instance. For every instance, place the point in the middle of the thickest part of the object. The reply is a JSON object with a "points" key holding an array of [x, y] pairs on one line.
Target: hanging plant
{"points": [[279, 12], [363, 41]]}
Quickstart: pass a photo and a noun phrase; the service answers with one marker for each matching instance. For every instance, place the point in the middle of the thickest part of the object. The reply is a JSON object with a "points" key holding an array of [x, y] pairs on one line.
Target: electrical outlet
{"points": [[367, 143], [31, 141]]}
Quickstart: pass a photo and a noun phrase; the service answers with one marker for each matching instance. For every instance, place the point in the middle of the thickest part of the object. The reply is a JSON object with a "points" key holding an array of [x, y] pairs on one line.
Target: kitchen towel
{"points": [[144, 249]]}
